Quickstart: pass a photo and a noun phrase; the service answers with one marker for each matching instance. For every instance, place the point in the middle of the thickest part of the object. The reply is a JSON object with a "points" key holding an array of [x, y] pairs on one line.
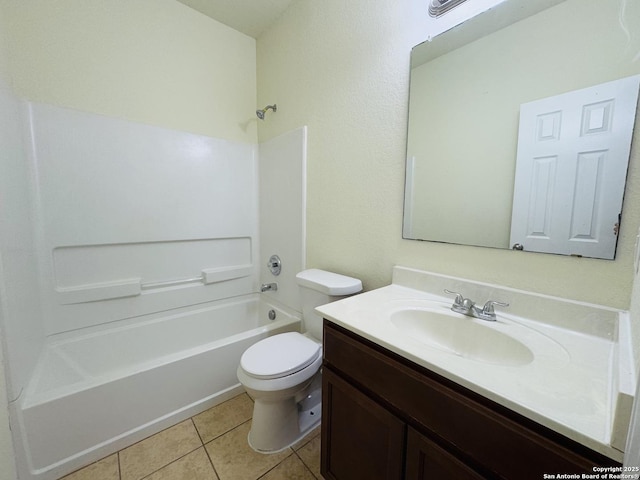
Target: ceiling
{"points": [[251, 17]]}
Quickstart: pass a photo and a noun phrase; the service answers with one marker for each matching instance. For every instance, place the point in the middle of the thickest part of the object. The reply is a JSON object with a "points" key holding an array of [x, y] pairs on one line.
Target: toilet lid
{"points": [[279, 355]]}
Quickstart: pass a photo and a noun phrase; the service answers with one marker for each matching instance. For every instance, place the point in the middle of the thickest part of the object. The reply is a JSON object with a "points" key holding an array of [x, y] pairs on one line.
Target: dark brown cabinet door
{"points": [[427, 461], [360, 439]]}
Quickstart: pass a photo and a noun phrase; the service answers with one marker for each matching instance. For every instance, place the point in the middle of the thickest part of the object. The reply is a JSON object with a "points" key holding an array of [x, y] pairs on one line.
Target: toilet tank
{"points": [[319, 287]]}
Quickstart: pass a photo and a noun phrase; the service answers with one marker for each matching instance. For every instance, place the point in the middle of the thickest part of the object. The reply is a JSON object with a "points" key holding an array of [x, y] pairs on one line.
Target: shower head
{"points": [[260, 113]]}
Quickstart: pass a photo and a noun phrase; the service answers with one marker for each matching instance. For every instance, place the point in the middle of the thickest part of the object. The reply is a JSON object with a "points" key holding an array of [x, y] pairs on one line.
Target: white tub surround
{"points": [[135, 219], [133, 222], [580, 380], [147, 247], [283, 198]]}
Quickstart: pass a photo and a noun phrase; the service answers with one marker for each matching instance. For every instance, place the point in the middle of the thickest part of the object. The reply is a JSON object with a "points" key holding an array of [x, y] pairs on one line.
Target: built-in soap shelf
{"points": [[99, 291], [132, 287], [97, 272]]}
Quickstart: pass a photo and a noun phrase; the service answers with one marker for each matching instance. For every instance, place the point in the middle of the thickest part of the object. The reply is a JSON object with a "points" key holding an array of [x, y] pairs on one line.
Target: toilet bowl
{"points": [[282, 373]]}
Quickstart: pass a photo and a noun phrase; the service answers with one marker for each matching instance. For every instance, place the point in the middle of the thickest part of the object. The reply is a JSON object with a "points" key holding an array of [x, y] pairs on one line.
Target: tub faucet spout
{"points": [[269, 287]]}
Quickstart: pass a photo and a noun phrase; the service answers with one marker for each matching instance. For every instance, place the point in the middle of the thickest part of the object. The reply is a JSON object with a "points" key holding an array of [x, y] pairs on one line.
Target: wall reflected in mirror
{"points": [[469, 87]]}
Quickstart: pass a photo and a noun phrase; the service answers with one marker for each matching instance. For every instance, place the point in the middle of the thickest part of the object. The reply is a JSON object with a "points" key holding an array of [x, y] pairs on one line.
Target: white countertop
{"points": [[566, 387]]}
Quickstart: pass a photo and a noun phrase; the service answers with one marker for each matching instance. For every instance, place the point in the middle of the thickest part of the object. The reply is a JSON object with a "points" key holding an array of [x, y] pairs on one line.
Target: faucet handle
{"points": [[459, 300], [460, 304], [488, 307]]}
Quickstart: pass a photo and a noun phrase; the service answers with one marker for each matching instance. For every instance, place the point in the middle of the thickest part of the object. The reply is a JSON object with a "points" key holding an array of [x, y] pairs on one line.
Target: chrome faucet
{"points": [[467, 307], [269, 287]]}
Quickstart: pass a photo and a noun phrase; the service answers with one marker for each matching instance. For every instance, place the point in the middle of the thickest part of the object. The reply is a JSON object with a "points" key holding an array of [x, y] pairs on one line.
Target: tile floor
{"points": [[209, 446]]}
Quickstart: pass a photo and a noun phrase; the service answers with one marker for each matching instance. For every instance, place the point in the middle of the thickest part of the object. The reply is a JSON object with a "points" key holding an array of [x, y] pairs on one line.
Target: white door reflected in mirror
{"points": [[573, 152]]}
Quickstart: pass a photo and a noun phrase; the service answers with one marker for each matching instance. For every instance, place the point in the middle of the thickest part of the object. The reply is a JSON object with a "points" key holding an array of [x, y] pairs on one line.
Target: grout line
{"points": [[308, 438], [228, 431], [195, 427], [173, 461], [119, 470], [303, 445], [225, 432], [211, 463], [213, 439], [154, 434], [305, 465], [278, 464]]}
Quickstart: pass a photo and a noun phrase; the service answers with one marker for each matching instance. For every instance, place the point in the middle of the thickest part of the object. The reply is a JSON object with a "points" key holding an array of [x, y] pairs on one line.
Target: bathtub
{"points": [[95, 393]]}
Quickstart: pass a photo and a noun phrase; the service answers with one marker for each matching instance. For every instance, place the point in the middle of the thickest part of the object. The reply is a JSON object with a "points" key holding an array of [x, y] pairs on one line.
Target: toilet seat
{"points": [[279, 356]]}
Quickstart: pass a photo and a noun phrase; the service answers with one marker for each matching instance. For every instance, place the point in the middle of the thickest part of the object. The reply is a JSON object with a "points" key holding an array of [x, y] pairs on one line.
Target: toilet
{"points": [[282, 373]]}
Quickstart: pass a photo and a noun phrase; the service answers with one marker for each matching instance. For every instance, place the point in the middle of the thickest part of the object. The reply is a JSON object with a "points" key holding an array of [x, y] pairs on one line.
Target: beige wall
{"points": [[153, 61], [342, 68]]}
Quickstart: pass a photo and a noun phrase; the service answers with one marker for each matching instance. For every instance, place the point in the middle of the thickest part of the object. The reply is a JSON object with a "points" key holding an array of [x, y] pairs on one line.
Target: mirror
{"points": [[469, 88]]}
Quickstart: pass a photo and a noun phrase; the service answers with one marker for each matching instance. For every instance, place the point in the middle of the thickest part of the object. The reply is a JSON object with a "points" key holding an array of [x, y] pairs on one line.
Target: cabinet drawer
{"points": [[476, 429]]}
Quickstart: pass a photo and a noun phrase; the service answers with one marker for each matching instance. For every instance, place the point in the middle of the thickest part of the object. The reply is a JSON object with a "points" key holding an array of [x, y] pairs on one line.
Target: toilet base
{"points": [[309, 419], [278, 425]]}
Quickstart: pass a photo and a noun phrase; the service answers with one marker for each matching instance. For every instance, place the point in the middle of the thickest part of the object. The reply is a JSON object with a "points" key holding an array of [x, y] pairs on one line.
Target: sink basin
{"points": [[462, 336]]}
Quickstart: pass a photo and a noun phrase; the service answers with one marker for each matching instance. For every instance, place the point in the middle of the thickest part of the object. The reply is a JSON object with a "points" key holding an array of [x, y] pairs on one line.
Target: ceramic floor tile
{"points": [[224, 417], [159, 450], [194, 466], [233, 458], [290, 468], [307, 438], [105, 469], [310, 455]]}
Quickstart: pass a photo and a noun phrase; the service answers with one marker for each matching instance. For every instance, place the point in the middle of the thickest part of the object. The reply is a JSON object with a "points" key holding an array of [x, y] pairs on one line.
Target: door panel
{"points": [[360, 439], [573, 152]]}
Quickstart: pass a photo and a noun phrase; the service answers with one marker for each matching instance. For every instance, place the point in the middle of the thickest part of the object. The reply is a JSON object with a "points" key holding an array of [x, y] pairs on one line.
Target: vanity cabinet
{"points": [[385, 417]]}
